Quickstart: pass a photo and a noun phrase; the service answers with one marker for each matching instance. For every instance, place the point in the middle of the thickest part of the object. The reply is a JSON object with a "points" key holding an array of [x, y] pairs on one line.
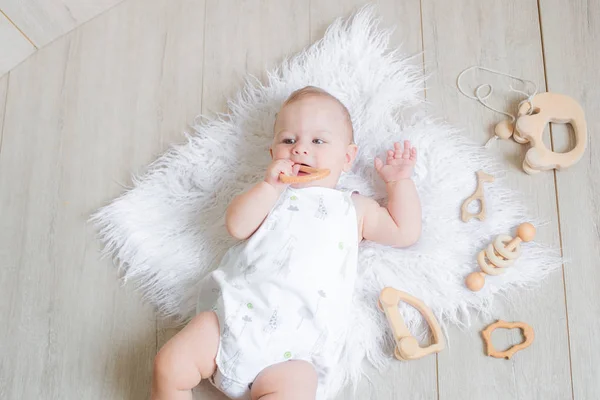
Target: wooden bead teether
{"points": [[499, 255]]}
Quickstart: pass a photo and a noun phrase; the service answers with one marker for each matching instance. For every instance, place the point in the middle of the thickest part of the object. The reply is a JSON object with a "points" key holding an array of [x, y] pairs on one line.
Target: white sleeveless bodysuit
{"points": [[285, 293]]}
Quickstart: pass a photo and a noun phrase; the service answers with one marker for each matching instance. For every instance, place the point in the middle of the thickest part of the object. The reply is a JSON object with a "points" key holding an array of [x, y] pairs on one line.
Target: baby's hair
{"points": [[316, 91]]}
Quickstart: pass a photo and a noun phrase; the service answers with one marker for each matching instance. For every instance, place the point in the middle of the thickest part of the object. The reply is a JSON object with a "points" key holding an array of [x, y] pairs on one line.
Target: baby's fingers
{"points": [[290, 169], [378, 164], [397, 150], [407, 149], [281, 167], [390, 156]]}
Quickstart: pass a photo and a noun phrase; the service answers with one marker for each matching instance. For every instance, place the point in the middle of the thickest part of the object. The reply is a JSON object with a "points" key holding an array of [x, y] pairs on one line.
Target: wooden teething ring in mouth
{"points": [[314, 174]]}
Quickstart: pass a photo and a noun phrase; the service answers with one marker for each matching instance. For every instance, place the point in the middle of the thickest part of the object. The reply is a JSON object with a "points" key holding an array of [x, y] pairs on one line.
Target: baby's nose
{"points": [[300, 150]]}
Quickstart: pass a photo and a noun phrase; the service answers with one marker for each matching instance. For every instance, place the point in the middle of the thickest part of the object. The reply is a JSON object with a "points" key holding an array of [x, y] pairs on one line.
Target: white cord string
{"points": [[490, 89]]}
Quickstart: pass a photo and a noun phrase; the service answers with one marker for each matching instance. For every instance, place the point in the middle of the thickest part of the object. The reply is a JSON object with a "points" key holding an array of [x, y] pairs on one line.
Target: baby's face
{"points": [[314, 131]]}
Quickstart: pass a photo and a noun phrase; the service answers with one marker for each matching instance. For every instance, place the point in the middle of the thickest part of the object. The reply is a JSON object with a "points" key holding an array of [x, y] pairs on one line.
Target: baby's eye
{"points": [[318, 141], [289, 141]]}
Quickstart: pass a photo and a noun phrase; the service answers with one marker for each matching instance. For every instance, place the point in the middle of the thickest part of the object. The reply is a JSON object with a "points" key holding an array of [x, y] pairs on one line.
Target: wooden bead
{"points": [[526, 232], [475, 281], [504, 130]]}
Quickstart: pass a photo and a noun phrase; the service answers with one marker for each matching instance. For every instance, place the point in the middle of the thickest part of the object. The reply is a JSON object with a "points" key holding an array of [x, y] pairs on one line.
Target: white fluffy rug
{"points": [[168, 231]]}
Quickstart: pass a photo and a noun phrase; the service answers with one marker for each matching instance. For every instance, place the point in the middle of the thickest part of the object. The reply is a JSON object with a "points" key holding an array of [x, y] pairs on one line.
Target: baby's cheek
{"points": [[278, 152]]}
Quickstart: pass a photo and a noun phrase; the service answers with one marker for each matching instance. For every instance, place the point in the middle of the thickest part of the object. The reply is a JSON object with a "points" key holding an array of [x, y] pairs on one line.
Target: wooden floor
{"points": [[83, 112], [28, 25]]}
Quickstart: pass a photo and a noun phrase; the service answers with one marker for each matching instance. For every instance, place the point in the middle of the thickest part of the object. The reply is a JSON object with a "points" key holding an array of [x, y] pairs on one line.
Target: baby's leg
{"points": [[186, 359], [290, 380]]}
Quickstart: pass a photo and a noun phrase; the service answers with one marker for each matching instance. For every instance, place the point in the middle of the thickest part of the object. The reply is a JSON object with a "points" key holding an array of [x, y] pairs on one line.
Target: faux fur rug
{"points": [[168, 231]]}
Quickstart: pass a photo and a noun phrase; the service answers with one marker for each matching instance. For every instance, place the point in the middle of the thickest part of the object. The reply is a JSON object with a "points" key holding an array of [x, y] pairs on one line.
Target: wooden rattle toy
{"points": [[499, 255], [407, 346], [313, 175], [465, 215], [487, 338], [548, 107]]}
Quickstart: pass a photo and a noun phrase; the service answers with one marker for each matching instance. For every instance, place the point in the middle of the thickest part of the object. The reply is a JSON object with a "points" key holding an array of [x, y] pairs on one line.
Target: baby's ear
{"points": [[351, 152]]}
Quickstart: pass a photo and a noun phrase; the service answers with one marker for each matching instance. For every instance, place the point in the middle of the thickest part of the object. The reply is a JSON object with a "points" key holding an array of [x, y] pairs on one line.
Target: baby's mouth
{"points": [[302, 173]]}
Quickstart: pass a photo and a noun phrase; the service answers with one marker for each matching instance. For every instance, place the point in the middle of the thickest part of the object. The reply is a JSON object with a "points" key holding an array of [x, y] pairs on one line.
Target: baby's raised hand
{"points": [[278, 167], [399, 164]]}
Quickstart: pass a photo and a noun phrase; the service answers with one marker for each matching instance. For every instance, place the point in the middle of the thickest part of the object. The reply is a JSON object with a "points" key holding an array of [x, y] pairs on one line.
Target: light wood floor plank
{"points": [[503, 36], [65, 318], [248, 38], [415, 379], [403, 16], [45, 20], [14, 47], [82, 114], [571, 34], [3, 94]]}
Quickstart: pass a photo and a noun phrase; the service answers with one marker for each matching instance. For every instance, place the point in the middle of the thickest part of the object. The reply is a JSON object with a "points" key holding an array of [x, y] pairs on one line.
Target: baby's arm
{"points": [[247, 211], [399, 224]]}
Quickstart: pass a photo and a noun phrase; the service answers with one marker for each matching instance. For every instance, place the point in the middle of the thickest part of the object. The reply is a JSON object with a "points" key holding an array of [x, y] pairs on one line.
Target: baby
{"points": [[272, 316]]}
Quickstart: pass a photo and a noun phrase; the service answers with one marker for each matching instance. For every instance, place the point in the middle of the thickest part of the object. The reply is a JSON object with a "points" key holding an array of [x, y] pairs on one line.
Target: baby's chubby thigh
{"points": [[293, 380], [186, 358]]}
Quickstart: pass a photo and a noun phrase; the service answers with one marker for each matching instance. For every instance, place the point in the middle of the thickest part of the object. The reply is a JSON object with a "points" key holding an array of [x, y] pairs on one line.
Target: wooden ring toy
{"points": [[407, 346], [314, 174], [486, 260], [501, 247], [499, 255], [465, 215], [497, 263], [556, 108], [527, 331]]}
